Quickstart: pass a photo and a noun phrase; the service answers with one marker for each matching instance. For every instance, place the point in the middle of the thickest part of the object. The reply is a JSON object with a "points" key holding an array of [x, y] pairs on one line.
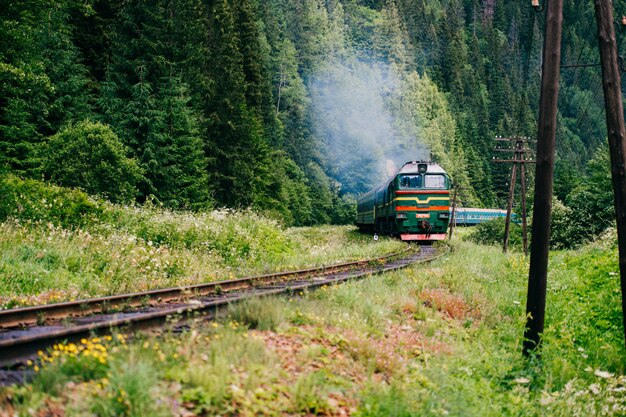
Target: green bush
{"points": [[492, 233], [592, 201], [344, 209], [91, 157], [34, 201], [565, 233]]}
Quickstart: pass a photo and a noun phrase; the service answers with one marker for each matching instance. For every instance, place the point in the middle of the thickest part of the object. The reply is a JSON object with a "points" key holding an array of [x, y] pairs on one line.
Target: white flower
{"points": [[602, 374], [595, 388], [521, 380]]}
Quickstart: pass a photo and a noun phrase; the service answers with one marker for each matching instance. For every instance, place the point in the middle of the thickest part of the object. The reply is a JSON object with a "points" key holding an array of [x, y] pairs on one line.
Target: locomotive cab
{"points": [[422, 201], [413, 204]]}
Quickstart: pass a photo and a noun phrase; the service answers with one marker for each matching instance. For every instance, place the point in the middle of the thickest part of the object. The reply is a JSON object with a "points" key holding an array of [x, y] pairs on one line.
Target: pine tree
{"points": [[234, 137], [255, 61], [70, 101], [148, 105], [391, 42]]}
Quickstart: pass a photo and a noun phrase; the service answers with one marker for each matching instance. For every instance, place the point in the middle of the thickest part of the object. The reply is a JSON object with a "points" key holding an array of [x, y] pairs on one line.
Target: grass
{"points": [[58, 244], [431, 340], [41, 264]]}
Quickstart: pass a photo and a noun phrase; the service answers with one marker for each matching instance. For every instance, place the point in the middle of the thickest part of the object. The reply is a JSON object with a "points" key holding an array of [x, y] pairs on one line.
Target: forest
{"points": [[292, 107]]}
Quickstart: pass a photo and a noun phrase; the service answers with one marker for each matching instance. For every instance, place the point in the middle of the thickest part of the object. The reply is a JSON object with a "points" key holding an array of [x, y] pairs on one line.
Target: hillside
{"points": [[288, 107]]}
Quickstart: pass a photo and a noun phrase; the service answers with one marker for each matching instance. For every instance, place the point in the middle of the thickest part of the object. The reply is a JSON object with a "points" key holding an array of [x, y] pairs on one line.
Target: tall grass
{"points": [[431, 340], [58, 244]]}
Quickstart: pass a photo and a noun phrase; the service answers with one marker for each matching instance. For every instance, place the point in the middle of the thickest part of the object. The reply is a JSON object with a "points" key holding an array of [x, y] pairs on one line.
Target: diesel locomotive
{"points": [[413, 204]]}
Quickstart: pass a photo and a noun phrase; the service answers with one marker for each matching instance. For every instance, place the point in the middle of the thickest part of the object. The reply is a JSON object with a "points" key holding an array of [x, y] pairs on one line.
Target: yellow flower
{"points": [[36, 368]]}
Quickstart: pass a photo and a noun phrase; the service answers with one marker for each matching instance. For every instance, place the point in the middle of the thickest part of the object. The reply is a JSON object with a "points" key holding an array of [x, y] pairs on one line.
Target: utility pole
{"points": [[546, 139], [517, 145], [611, 83], [453, 213]]}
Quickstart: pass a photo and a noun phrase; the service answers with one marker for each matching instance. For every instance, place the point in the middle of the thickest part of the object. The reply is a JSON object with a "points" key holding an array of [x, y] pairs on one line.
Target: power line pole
{"points": [[518, 146], [453, 214], [546, 139], [611, 83]]}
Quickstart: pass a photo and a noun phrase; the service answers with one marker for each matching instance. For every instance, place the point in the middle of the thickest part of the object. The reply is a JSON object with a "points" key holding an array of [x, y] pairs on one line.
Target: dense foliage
{"points": [[90, 156], [293, 107]]}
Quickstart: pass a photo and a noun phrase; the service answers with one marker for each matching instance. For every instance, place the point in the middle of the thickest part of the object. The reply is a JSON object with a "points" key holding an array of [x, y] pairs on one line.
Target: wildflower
{"points": [[602, 374]]}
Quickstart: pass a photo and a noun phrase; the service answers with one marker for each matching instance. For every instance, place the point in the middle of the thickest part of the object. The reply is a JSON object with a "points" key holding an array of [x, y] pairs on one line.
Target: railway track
{"points": [[24, 331]]}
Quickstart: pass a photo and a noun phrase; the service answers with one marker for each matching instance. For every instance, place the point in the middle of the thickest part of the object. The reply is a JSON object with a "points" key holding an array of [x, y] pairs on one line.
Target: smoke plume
{"points": [[357, 114]]}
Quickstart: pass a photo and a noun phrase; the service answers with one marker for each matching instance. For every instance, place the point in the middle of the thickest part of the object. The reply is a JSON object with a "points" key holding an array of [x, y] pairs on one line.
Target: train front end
{"points": [[421, 201]]}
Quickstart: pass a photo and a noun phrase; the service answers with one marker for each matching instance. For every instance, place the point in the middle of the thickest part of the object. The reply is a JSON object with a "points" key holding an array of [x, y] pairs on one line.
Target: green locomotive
{"points": [[414, 204]]}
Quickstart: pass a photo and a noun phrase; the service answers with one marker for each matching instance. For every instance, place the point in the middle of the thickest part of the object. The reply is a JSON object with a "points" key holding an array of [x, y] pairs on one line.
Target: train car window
{"points": [[411, 181], [434, 181]]}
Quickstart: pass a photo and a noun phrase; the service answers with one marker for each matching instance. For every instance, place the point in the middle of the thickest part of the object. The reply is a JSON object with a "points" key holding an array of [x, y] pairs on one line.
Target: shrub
{"points": [[492, 233], [34, 201], [91, 157], [564, 233]]}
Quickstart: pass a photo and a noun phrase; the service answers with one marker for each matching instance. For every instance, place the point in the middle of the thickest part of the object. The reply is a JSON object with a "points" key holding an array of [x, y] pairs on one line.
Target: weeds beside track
{"points": [[49, 324]]}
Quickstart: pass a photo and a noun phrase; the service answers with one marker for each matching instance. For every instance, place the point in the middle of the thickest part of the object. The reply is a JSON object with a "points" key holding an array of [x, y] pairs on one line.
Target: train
{"points": [[467, 216], [413, 204]]}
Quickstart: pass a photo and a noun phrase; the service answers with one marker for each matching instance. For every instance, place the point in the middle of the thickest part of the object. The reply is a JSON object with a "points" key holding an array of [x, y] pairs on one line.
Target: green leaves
{"points": [[91, 157]]}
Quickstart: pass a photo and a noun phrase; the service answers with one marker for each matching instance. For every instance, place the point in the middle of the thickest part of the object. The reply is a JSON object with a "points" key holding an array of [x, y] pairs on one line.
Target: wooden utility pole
{"points": [[546, 139], [453, 213], [611, 83], [519, 150]]}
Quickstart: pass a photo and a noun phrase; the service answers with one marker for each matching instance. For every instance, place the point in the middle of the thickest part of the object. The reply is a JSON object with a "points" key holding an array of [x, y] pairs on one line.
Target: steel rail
{"points": [[15, 350], [38, 314]]}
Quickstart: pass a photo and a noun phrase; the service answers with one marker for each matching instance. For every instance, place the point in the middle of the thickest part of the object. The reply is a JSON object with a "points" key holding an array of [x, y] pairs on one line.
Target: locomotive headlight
{"points": [[401, 216], [444, 215]]}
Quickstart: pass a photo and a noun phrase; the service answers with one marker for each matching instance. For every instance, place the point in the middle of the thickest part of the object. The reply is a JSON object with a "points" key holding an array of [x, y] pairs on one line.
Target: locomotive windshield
{"points": [[411, 181], [434, 181]]}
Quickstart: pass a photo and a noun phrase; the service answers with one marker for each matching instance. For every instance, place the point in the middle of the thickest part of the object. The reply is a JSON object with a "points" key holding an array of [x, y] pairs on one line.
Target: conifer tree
{"points": [[234, 137], [255, 61], [391, 42], [70, 101], [148, 105]]}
